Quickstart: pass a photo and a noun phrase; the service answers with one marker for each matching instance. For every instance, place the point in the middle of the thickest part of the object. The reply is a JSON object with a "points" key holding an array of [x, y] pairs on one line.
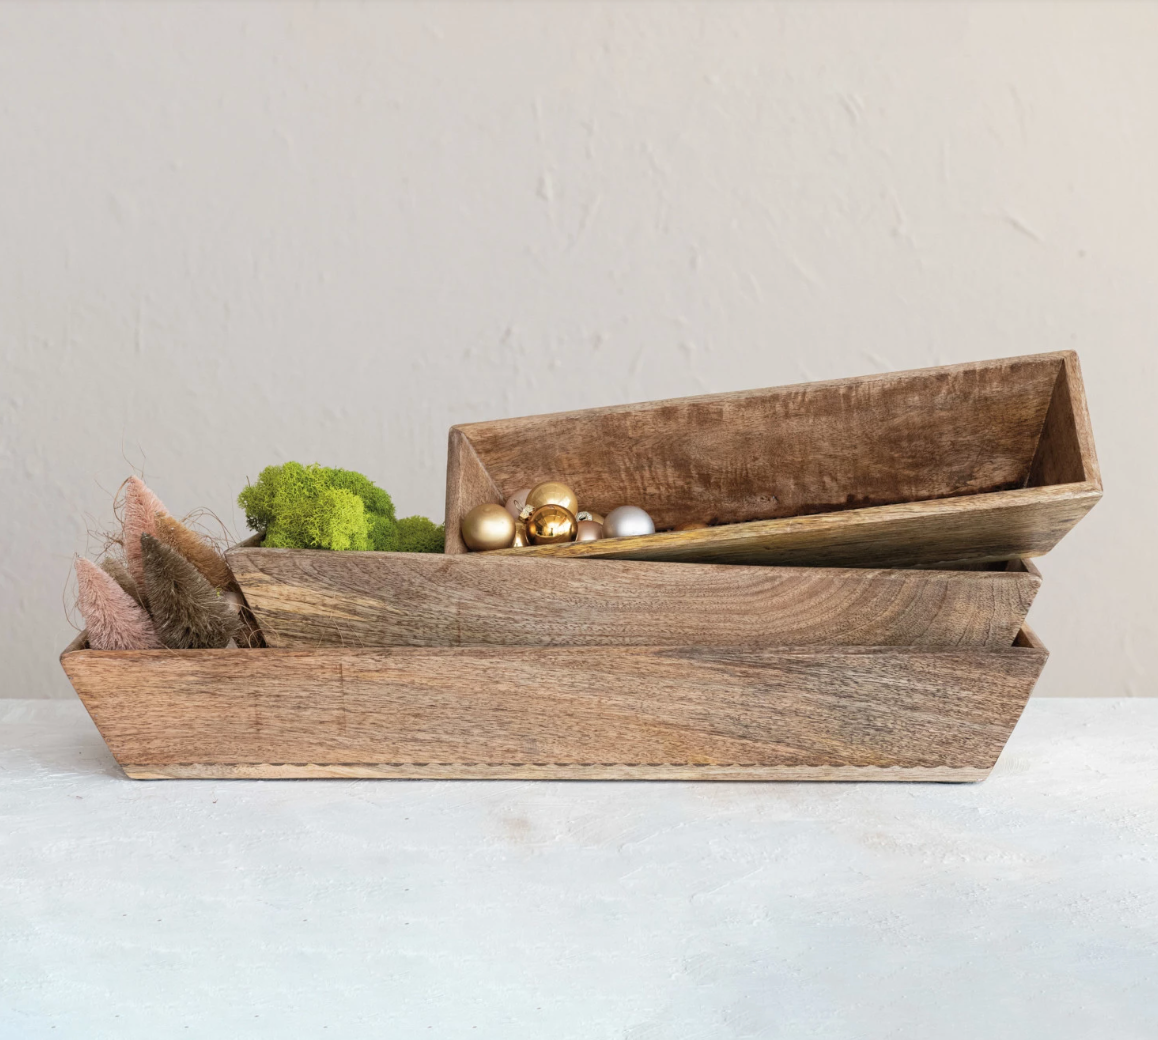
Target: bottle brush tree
{"points": [[197, 550], [187, 611], [114, 567], [115, 621], [141, 510]]}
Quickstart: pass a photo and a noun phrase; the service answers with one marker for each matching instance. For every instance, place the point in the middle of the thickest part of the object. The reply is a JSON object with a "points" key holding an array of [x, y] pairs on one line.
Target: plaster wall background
{"points": [[236, 234]]}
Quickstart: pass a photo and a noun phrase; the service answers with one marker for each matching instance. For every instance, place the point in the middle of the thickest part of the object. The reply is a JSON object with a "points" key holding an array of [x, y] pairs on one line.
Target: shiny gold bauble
{"points": [[553, 493], [588, 514], [521, 538], [551, 523], [691, 525], [588, 531], [488, 526]]}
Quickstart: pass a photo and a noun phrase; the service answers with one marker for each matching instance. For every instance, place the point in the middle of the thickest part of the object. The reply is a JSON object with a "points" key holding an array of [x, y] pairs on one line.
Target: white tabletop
{"points": [[1025, 906]]}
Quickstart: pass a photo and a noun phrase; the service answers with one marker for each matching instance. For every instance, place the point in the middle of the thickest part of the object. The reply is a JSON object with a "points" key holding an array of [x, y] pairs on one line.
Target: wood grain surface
{"points": [[987, 460], [592, 712], [305, 598]]}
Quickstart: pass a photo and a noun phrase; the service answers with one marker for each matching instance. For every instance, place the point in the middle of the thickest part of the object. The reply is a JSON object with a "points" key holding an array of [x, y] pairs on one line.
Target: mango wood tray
{"points": [[983, 461], [304, 598], [660, 713]]}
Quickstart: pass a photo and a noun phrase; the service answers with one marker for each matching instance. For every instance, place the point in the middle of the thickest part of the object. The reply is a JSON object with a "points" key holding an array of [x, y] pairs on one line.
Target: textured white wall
{"points": [[232, 235]]}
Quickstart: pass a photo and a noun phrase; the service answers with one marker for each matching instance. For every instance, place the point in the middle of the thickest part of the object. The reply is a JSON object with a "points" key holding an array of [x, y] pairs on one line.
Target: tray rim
{"points": [[1064, 356]]}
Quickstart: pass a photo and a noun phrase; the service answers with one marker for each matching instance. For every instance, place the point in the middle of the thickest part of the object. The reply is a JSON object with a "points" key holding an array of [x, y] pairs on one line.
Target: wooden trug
{"points": [[983, 461], [739, 713]]}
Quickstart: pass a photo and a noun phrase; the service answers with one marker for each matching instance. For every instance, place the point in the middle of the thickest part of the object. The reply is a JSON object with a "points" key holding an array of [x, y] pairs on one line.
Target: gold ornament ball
{"points": [[588, 531], [553, 493], [551, 523], [488, 526]]}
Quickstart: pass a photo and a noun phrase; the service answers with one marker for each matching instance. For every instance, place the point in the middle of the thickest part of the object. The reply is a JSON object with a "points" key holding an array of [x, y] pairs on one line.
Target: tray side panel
{"points": [[641, 712], [468, 484], [1065, 452], [307, 599]]}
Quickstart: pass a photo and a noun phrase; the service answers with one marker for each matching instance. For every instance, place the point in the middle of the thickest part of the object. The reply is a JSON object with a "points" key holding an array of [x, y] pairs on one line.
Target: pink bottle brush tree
{"points": [[115, 621]]}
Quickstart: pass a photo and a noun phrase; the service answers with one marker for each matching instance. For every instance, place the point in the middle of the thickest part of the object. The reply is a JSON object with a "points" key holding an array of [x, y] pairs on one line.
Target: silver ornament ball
{"points": [[627, 522]]}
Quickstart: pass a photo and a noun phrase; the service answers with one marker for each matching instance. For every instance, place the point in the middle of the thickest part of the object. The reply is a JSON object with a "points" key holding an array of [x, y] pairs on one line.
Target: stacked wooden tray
{"points": [[986, 461], [510, 665]]}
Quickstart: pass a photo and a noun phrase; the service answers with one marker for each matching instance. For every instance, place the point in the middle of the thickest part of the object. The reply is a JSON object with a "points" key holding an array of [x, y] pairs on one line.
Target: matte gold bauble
{"points": [[691, 525], [551, 523], [588, 531], [521, 538], [488, 526], [588, 514], [553, 493], [516, 502]]}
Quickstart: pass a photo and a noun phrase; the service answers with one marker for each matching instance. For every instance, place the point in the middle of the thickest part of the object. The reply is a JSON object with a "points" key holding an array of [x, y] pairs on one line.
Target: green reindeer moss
{"points": [[378, 505], [417, 534], [316, 507]]}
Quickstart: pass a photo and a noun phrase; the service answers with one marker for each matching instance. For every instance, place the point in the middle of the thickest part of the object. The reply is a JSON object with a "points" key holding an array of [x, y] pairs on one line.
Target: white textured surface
{"points": [[235, 234], [1022, 907]]}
